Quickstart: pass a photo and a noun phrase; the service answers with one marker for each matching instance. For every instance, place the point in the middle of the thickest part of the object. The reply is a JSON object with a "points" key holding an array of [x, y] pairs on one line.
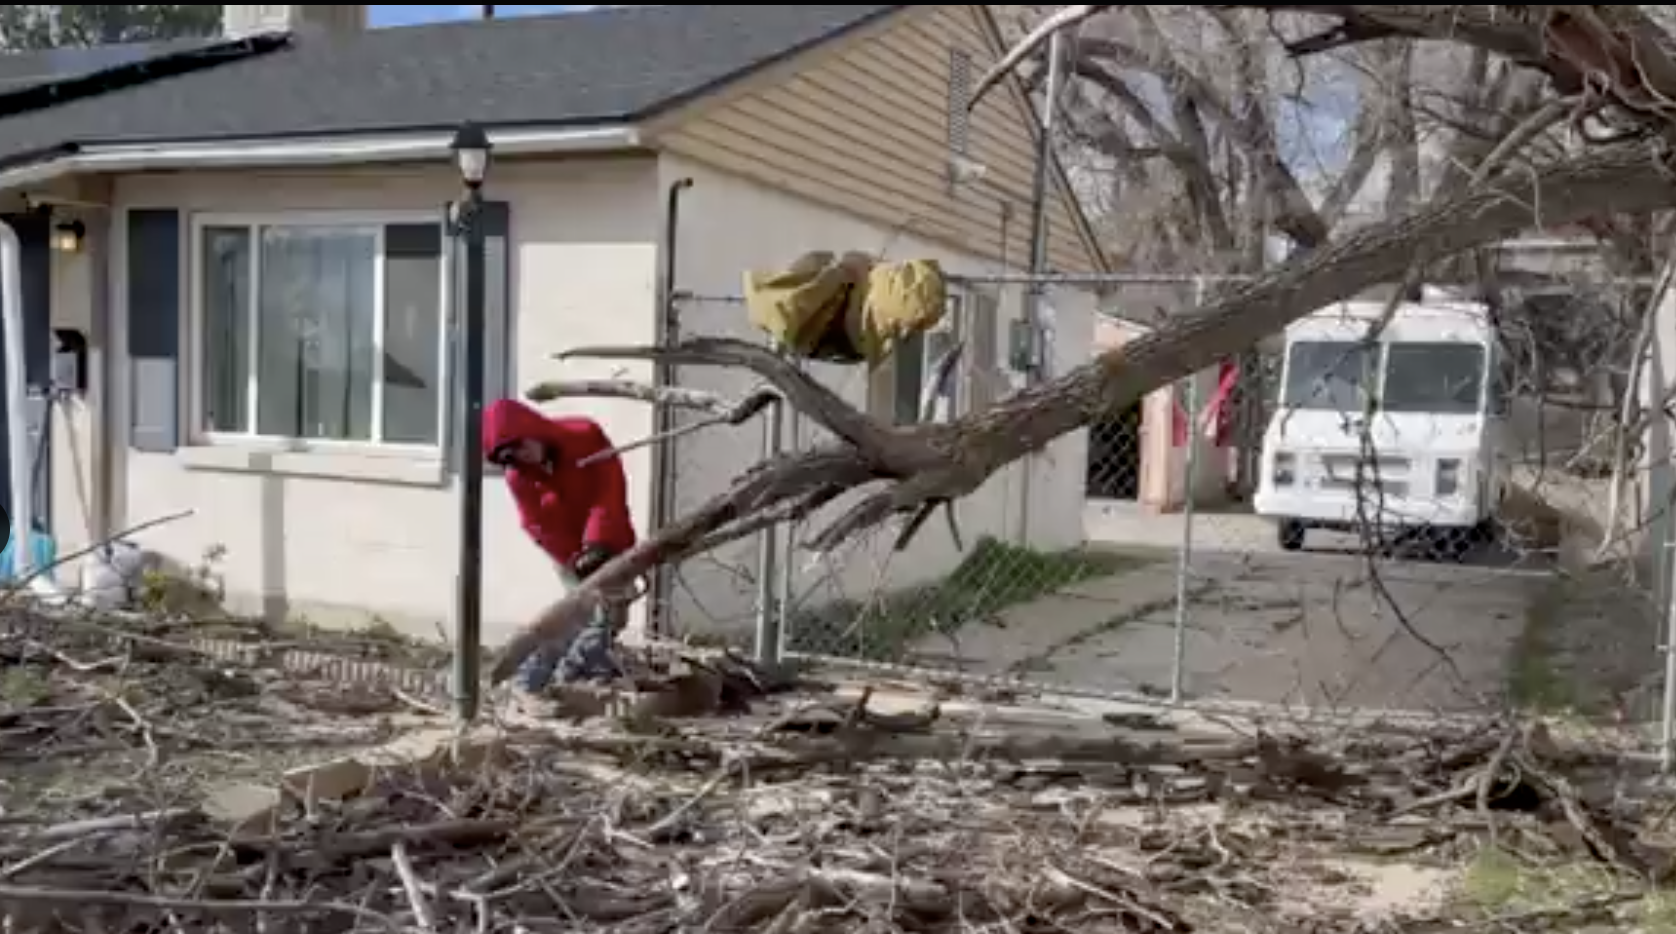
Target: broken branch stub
{"points": [[944, 462]]}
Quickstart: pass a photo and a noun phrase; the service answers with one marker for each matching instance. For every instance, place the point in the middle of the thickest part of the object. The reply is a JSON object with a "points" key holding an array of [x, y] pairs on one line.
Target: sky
{"points": [[410, 14]]}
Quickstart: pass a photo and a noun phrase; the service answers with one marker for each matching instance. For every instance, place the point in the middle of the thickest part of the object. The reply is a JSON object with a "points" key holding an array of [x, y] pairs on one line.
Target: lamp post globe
{"points": [[471, 154]]}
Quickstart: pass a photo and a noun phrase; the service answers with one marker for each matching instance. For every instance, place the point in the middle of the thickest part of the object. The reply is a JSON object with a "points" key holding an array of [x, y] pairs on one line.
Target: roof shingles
{"points": [[579, 68]]}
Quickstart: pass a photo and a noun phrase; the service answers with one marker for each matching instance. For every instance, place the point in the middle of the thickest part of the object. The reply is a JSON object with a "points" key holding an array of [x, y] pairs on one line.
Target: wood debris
{"points": [[770, 808]]}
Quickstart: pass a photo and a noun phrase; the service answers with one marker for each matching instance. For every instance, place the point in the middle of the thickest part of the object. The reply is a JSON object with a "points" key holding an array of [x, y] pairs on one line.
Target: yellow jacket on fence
{"points": [[846, 308]]}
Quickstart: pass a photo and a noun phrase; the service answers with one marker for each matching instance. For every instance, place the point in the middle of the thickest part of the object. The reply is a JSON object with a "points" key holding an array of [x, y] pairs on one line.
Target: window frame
{"points": [[953, 323], [982, 306], [965, 309], [197, 370]]}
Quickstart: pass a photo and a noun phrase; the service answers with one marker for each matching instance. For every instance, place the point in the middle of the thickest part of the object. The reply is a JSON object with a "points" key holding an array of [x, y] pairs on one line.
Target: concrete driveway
{"points": [[1321, 627]]}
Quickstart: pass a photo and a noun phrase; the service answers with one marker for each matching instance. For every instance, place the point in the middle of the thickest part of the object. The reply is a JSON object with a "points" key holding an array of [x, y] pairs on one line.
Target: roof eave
{"points": [[345, 149]]}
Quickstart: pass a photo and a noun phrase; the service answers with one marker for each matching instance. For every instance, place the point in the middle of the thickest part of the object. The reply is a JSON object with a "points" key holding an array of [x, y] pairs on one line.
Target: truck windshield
{"points": [[1332, 375], [1446, 378]]}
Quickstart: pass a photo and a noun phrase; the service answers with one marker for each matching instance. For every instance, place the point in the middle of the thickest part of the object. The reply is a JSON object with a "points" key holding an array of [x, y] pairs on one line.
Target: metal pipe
{"points": [[1667, 738], [1039, 197], [1184, 560], [667, 331], [1038, 256], [1091, 278], [468, 638], [17, 416], [769, 582]]}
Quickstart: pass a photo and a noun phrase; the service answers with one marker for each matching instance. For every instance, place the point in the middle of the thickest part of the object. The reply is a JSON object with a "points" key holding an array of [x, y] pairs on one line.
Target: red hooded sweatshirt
{"points": [[565, 508]]}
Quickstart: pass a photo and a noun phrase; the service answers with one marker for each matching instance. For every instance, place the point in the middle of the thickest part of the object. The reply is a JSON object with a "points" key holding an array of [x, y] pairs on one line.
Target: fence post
{"points": [[769, 580], [1667, 726], [1184, 561]]}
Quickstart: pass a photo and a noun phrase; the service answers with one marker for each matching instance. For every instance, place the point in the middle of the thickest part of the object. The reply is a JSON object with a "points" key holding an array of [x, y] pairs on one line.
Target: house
{"points": [[262, 276]]}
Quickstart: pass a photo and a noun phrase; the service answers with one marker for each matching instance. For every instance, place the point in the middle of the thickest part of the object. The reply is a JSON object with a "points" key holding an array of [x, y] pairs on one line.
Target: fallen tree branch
{"points": [[675, 396], [29, 895], [825, 407], [926, 463]]}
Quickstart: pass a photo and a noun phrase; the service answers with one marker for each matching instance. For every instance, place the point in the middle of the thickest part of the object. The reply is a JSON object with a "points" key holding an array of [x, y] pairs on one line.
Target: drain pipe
{"points": [[17, 416]]}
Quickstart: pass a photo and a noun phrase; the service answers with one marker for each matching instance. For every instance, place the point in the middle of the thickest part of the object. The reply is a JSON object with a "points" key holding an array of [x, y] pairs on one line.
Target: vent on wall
{"points": [[959, 100]]}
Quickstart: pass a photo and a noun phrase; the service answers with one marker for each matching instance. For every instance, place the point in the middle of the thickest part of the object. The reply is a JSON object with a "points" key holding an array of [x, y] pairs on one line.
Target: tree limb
{"points": [[825, 407], [675, 396], [928, 463]]}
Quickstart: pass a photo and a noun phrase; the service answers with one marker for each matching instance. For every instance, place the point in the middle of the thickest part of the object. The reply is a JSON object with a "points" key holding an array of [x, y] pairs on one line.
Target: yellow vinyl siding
{"points": [[865, 127]]}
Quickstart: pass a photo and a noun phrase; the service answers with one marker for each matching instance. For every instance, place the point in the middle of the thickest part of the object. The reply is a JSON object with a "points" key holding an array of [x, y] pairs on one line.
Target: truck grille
{"points": [[1388, 476]]}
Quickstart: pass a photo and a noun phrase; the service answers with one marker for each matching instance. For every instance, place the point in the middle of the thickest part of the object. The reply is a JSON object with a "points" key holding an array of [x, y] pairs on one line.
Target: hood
{"points": [[1321, 430], [507, 420]]}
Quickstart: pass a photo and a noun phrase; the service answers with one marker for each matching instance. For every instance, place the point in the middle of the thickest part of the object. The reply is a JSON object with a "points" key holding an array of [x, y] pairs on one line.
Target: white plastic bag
{"points": [[111, 575]]}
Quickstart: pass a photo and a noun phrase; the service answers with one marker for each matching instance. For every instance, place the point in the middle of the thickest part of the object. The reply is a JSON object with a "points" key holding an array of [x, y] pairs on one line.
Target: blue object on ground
{"points": [[43, 553], [586, 656]]}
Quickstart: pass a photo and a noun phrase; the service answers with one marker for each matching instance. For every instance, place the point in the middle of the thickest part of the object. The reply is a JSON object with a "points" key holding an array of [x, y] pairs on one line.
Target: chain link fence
{"points": [[1128, 560]]}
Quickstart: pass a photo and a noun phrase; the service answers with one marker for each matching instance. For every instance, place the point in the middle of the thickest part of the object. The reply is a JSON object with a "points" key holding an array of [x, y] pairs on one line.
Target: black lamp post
{"points": [[471, 154]]}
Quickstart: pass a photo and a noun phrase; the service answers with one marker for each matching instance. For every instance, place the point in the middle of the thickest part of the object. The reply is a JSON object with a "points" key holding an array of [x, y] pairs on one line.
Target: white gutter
{"points": [[306, 151]]}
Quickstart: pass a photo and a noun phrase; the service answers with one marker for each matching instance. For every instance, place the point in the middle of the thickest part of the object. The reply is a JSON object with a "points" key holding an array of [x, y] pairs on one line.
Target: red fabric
{"points": [[1217, 411], [1219, 408], [564, 508]]}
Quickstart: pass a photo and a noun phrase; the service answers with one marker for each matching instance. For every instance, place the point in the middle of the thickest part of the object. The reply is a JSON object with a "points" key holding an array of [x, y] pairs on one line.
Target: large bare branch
{"points": [[941, 462]]}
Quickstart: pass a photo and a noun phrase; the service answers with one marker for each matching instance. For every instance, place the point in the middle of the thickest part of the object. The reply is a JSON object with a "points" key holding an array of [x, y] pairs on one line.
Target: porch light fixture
{"points": [[471, 153], [67, 237]]}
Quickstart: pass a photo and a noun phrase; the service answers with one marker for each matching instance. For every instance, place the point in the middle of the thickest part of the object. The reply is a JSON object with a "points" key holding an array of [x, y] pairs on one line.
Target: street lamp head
{"points": [[471, 153]]}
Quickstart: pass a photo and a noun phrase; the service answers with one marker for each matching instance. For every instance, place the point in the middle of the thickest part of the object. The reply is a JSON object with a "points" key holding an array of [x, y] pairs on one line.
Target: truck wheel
{"points": [[1452, 544], [1291, 534]]}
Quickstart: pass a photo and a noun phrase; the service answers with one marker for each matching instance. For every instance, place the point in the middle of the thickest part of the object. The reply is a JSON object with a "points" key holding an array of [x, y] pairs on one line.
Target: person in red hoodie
{"points": [[578, 515]]}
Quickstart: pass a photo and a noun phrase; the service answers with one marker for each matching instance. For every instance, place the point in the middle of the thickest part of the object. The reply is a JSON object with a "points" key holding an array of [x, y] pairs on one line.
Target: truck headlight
{"points": [[1284, 472], [1448, 480]]}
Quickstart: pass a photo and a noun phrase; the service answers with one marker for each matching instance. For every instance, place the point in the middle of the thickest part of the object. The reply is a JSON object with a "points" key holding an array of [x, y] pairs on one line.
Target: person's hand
{"points": [[590, 559]]}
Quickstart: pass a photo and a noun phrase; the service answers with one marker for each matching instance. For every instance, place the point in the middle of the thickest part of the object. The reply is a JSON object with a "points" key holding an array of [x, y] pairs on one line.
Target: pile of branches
{"points": [[826, 818], [99, 711]]}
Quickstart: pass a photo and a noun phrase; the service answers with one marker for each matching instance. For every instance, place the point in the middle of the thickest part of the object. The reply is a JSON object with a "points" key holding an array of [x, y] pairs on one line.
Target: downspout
{"points": [[17, 416], [667, 332]]}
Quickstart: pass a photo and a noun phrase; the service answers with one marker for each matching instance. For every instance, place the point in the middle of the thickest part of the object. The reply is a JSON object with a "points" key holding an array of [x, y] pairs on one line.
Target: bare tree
{"points": [[1611, 63]]}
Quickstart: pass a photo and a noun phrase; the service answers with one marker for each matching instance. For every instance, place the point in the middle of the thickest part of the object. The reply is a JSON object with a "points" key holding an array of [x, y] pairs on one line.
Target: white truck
{"points": [[1405, 436]]}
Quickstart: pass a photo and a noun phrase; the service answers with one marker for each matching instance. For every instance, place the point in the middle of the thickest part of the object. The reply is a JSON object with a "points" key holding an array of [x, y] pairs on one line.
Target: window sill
{"points": [[398, 469]]}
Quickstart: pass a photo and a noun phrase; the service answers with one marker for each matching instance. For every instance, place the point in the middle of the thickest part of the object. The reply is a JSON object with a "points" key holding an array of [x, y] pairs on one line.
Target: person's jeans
{"points": [[584, 656]]}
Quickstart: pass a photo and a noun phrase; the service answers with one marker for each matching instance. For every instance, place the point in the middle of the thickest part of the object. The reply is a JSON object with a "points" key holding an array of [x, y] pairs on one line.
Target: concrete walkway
{"points": [[1315, 629], [1028, 638]]}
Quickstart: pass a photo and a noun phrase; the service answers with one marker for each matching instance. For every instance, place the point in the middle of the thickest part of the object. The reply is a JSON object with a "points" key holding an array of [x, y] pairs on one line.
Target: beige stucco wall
{"points": [[340, 539], [76, 502], [728, 225]]}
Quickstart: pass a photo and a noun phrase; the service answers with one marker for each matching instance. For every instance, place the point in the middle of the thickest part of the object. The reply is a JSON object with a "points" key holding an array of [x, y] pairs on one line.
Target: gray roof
{"points": [[602, 66]]}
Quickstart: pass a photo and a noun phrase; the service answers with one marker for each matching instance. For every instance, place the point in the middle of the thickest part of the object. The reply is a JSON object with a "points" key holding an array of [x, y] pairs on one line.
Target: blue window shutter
{"points": [[154, 314], [498, 375]]}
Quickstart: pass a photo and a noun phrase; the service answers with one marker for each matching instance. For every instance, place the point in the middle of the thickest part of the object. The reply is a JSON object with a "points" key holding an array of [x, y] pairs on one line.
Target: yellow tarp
{"points": [[846, 308]]}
